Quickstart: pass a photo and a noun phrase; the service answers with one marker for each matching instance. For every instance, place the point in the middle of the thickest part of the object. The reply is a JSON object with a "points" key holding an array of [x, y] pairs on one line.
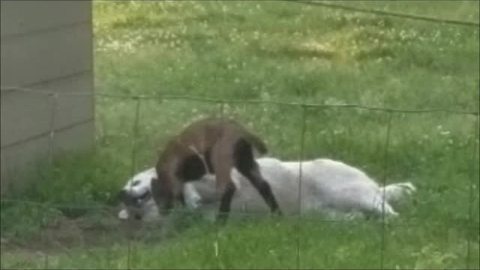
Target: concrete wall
{"points": [[45, 45]]}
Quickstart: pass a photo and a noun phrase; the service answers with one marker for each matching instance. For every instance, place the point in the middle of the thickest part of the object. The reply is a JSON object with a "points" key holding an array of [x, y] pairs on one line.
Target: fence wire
{"points": [[304, 106], [133, 169], [384, 13], [111, 210], [471, 199], [171, 97], [301, 157], [384, 184], [54, 104], [299, 218]]}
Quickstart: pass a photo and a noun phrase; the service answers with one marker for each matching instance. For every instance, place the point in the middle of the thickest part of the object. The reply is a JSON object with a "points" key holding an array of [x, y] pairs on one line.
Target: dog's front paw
{"points": [[192, 198], [123, 214], [407, 188], [195, 202]]}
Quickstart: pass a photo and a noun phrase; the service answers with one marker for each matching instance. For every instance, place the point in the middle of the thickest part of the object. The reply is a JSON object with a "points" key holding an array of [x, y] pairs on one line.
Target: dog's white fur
{"points": [[326, 186]]}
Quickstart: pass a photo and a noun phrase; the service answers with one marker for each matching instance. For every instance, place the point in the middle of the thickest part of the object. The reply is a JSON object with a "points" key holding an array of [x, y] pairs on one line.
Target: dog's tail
{"points": [[397, 191], [257, 143]]}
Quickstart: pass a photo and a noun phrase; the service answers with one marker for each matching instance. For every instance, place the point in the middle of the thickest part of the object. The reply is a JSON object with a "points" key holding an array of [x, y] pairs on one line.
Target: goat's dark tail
{"points": [[257, 143]]}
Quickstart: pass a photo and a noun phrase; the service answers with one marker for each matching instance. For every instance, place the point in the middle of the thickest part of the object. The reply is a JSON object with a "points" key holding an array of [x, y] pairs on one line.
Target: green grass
{"points": [[283, 52], [273, 244]]}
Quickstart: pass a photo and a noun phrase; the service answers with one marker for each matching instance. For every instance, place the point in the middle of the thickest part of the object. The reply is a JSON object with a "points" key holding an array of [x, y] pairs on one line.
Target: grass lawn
{"points": [[271, 51]]}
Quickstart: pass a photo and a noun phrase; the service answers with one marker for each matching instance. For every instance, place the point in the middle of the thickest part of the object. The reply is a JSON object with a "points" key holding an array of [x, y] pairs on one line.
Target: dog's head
{"points": [[137, 199], [136, 195]]}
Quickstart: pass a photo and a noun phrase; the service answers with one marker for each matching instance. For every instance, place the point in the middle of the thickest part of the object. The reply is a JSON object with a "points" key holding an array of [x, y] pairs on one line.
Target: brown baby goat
{"points": [[210, 146]]}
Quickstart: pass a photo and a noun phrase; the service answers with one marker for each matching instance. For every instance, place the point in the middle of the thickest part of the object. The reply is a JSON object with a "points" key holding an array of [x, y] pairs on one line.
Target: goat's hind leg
{"points": [[246, 165]]}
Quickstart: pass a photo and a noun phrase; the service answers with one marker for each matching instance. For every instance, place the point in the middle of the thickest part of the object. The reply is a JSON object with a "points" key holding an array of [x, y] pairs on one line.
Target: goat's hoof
{"points": [[221, 221], [277, 212]]}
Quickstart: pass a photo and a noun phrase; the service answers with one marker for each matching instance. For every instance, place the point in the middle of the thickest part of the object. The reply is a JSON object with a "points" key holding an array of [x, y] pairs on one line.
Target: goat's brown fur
{"points": [[209, 146]]}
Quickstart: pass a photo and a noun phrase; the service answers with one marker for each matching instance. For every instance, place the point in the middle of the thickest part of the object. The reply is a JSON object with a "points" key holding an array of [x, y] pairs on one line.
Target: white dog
{"points": [[326, 186]]}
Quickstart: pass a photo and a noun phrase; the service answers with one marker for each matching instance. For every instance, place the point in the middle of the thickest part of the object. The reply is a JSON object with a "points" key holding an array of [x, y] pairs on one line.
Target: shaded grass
{"points": [[286, 52], [273, 244]]}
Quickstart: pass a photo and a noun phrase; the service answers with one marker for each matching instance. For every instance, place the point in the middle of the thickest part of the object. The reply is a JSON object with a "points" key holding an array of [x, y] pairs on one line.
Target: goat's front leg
{"points": [[225, 191], [163, 191], [223, 164]]}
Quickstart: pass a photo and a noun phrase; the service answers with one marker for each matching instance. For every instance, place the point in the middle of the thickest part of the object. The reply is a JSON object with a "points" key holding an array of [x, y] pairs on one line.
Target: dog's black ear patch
{"points": [[136, 183]]}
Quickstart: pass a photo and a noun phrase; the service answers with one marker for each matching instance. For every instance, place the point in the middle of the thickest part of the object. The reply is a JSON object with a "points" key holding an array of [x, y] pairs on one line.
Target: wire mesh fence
{"points": [[130, 237]]}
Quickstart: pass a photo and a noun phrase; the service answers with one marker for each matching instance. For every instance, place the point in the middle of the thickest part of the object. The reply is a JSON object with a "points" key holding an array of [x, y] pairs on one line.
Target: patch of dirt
{"points": [[66, 233]]}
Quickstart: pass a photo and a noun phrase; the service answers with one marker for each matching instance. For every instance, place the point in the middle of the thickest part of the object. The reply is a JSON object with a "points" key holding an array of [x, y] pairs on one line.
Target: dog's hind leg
{"points": [[246, 165], [192, 198], [380, 207]]}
